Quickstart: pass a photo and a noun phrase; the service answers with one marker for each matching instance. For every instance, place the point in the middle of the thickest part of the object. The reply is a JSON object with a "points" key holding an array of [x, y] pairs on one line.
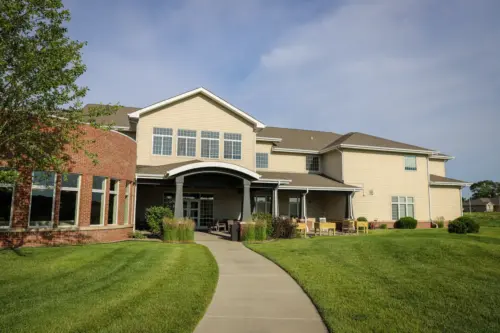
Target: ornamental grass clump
{"points": [[260, 231], [248, 231], [178, 230]]}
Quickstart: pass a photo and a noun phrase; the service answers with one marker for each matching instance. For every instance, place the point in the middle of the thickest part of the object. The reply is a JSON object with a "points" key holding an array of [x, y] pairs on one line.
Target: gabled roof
{"points": [[484, 201], [119, 118], [440, 180], [204, 92]]}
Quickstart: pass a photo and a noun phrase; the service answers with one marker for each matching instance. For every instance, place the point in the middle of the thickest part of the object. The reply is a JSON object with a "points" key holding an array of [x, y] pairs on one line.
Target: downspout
{"points": [[429, 193]]}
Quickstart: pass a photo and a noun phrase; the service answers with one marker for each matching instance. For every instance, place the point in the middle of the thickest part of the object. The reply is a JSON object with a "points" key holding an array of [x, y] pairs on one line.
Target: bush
{"points": [[406, 223], [362, 219], [268, 219], [284, 228], [470, 225], [260, 231], [247, 231], [155, 216], [178, 230], [137, 235], [383, 226]]}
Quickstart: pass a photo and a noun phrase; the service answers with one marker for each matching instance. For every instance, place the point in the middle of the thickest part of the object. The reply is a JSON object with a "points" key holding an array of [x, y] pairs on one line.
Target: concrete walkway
{"points": [[254, 295]]}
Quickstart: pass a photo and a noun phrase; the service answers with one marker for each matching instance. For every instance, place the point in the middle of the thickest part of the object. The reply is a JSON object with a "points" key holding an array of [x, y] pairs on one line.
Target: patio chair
{"points": [[361, 225], [222, 226], [212, 226], [348, 226]]}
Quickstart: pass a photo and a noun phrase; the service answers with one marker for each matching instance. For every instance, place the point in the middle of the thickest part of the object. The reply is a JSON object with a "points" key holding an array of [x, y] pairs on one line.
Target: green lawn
{"points": [[398, 280], [121, 287], [491, 219]]}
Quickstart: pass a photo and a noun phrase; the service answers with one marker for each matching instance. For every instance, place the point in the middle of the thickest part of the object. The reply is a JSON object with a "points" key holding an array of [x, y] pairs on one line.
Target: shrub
{"points": [[155, 216], [362, 219], [406, 223], [178, 230], [471, 225], [268, 219], [383, 226], [260, 231], [248, 231], [371, 225], [457, 227], [284, 228], [137, 235]]}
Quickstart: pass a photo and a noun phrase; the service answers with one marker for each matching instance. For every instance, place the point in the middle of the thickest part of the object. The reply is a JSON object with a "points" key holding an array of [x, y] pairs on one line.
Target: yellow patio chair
{"points": [[322, 226], [362, 225], [302, 228]]}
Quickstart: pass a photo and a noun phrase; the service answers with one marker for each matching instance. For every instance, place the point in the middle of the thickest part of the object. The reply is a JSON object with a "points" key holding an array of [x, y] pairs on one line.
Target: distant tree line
{"points": [[485, 189]]}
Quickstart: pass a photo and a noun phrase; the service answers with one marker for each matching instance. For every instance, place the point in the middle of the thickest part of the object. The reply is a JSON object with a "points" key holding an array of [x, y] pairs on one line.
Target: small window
{"points": [[410, 163], [402, 207], [113, 201], [312, 163], [162, 141], [262, 160], [97, 208], [209, 144], [42, 199], [68, 207], [232, 146], [294, 206], [186, 143]]}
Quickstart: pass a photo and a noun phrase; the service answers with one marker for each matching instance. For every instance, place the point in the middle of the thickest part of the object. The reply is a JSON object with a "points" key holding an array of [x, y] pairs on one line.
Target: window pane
{"points": [[167, 145], [112, 208], [411, 210], [214, 148], [5, 205], [209, 135], [410, 199], [232, 136], [402, 210], [157, 141], [395, 199], [43, 178], [411, 163], [205, 148], [188, 133], [402, 199], [126, 204], [162, 131], [67, 210], [181, 146], [97, 208], [41, 207], [312, 163], [113, 185], [191, 147], [262, 160], [228, 149], [236, 150], [98, 183], [70, 180], [395, 212]]}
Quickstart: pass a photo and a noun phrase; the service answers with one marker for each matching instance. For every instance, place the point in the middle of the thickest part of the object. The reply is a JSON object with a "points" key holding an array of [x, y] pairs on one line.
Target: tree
{"points": [[485, 189], [40, 102]]}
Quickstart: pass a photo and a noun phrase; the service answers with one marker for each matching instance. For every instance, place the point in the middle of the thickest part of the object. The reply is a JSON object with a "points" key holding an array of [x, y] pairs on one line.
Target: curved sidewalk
{"points": [[254, 295]]}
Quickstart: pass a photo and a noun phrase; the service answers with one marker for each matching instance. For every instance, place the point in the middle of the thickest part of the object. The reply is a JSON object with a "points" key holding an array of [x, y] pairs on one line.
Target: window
{"points": [[126, 207], [410, 163], [186, 143], [262, 160], [263, 204], [6, 198], [209, 144], [232, 146], [42, 199], [113, 201], [402, 207], [162, 141], [68, 208], [97, 208], [294, 207], [312, 163]]}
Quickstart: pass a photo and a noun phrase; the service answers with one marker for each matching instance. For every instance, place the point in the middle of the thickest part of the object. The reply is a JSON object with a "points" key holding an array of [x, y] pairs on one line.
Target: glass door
{"points": [[192, 210]]}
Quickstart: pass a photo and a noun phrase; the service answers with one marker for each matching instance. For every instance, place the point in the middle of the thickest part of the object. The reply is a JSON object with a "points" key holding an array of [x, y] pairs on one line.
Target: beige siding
{"points": [[437, 167], [196, 113], [446, 202], [286, 162], [382, 175], [332, 164]]}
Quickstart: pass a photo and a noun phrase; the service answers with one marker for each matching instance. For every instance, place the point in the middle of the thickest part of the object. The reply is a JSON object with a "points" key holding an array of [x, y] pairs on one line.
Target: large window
{"points": [[402, 207], [209, 144], [294, 206], [312, 163], [263, 204], [98, 193], [232, 146], [68, 208], [186, 143], [126, 207], [42, 199], [410, 163], [162, 141], [113, 201], [262, 160], [6, 198]]}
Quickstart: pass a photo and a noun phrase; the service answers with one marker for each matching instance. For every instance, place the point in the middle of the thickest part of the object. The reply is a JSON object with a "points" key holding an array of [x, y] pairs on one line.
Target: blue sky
{"points": [[418, 71]]}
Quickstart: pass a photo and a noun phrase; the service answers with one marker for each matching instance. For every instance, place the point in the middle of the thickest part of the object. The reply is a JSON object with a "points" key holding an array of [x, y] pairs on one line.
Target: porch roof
{"points": [[161, 169], [312, 181], [439, 180]]}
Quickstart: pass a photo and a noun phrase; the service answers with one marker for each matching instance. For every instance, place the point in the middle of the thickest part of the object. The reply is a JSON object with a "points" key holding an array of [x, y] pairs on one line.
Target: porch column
{"points": [[246, 214], [179, 196], [303, 201], [276, 212], [349, 206]]}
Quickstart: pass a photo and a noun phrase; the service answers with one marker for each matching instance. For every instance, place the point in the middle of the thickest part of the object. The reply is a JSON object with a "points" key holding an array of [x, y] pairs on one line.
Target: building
{"points": [[207, 159], [482, 205]]}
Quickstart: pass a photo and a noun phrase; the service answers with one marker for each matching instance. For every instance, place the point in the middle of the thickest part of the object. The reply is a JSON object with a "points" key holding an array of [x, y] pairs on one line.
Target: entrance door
{"points": [[192, 210]]}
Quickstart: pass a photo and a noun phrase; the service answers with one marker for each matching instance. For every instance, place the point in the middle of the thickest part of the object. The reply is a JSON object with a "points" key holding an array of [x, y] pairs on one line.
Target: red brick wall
{"points": [[116, 155]]}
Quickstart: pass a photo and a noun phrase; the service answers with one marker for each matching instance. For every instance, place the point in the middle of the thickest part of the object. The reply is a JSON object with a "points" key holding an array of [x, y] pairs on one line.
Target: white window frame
{"points": [[210, 140], [161, 136], [401, 203], [115, 202], [72, 189], [187, 138], [289, 206], [6, 185], [407, 168], [313, 157], [43, 187], [126, 208], [257, 160], [101, 191], [233, 143]]}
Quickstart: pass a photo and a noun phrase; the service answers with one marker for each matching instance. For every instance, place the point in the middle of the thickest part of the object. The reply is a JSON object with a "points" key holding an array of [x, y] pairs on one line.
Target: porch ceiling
{"points": [[307, 180]]}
